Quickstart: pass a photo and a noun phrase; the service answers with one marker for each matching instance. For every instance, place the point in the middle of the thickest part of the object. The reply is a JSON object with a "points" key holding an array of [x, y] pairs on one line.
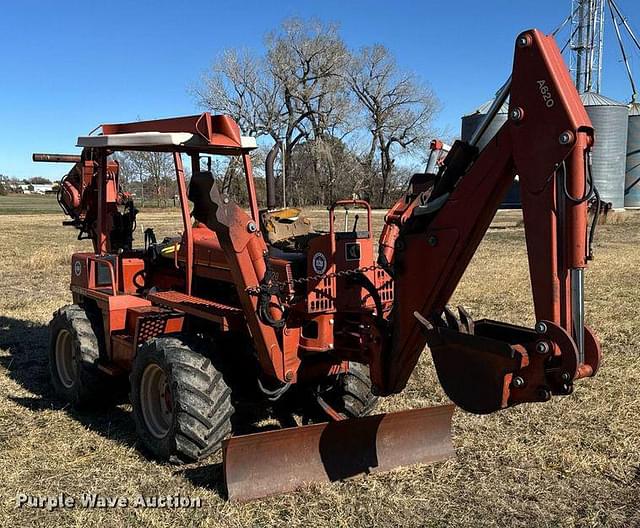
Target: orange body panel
{"points": [[128, 271]]}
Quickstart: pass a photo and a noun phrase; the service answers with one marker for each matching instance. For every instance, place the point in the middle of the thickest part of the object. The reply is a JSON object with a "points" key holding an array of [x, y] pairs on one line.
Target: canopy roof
{"points": [[200, 133]]}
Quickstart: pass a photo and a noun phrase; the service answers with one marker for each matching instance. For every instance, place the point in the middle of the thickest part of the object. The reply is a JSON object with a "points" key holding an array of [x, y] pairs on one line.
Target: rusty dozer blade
{"points": [[262, 464]]}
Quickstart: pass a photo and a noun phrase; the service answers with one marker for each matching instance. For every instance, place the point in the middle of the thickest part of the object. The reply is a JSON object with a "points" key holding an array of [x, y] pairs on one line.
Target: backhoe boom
{"points": [[546, 142]]}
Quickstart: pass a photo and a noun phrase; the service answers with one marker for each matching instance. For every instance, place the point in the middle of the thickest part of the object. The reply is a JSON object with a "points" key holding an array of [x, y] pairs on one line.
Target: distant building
{"points": [[37, 188]]}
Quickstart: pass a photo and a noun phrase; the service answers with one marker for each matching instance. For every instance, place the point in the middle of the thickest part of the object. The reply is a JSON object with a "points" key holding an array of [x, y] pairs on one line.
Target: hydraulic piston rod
{"points": [[501, 97], [577, 310]]}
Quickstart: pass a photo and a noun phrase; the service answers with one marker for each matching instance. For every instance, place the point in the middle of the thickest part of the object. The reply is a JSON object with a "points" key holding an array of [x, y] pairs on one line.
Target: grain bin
{"points": [[632, 177], [609, 120], [471, 122]]}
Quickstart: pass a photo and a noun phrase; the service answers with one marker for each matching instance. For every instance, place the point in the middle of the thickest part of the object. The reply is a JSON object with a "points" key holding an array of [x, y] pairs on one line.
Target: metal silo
{"points": [[471, 121], [632, 177], [609, 120]]}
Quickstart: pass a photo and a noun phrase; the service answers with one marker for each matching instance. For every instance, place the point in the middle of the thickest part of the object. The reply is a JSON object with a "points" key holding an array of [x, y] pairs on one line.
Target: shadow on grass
{"points": [[208, 476], [28, 365]]}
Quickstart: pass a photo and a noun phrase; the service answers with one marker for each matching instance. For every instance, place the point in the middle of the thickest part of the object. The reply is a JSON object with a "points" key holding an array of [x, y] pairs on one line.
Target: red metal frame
{"points": [[93, 272], [245, 251], [102, 222], [353, 203], [251, 187], [218, 131], [186, 220]]}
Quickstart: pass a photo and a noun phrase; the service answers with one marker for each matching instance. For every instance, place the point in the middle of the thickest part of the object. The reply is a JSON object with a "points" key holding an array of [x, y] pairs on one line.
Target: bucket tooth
{"points": [[452, 320], [269, 463], [466, 320]]}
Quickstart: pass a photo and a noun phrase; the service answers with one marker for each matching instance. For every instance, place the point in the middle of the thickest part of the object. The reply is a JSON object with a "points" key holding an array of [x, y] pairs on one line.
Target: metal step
{"points": [[197, 306]]}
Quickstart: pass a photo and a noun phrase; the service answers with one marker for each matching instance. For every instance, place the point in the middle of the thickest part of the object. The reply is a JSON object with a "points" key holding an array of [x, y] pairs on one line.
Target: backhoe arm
{"points": [[432, 233]]}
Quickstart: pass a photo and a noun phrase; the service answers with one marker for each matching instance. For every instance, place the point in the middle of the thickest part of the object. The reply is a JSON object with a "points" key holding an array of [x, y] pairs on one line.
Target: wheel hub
{"points": [[156, 400], [66, 359]]}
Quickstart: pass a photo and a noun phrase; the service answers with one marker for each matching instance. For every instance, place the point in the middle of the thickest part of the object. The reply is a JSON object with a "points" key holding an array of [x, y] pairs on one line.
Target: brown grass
{"points": [[572, 462]]}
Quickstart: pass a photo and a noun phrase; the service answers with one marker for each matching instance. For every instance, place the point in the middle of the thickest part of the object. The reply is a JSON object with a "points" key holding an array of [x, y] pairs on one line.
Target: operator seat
{"points": [[199, 189]]}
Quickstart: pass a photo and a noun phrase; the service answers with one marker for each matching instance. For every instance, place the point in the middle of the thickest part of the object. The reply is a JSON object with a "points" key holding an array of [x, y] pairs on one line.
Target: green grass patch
{"points": [[14, 204]]}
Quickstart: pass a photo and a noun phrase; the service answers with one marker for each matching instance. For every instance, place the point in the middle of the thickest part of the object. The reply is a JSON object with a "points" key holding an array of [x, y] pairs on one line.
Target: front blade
{"points": [[276, 462]]}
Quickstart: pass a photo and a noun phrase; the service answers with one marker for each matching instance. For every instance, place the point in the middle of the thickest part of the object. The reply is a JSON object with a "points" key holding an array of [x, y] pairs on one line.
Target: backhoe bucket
{"points": [[274, 462]]}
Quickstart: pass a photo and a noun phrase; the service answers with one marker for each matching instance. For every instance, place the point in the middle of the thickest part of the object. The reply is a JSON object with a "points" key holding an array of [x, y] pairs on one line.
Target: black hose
{"points": [[362, 280], [596, 216], [264, 311], [592, 193], [273, 395], [588, 182], [268, 289]]}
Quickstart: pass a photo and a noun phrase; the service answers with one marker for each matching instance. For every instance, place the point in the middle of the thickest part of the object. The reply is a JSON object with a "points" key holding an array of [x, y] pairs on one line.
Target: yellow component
{"points": [[290, 213], [169, 250]]}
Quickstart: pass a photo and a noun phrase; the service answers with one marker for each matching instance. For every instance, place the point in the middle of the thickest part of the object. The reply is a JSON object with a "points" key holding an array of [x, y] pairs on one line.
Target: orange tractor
{"points": [[258, 306]]}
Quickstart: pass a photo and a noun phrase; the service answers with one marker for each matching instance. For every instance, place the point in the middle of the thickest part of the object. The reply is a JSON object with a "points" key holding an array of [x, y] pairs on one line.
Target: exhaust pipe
{"points": [[274, 462], [56, 158], [271, 179]]}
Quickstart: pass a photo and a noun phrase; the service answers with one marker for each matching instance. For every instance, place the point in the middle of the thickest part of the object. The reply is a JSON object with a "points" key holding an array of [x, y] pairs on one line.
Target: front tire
{"points": [[181, 404], [74, 352]]}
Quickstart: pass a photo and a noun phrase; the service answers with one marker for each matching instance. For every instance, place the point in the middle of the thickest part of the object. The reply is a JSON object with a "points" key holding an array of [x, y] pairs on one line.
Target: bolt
{"points": [[542, 347], [516, 114], [251, 227], [566, 137], [330, 346], [331, 321], [432, 240], [567, 388], [544, 394], [541, 327], [518, 382], [524, 40], [288, 376]]}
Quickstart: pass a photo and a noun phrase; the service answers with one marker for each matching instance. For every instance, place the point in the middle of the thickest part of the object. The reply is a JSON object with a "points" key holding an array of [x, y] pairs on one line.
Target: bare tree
{"points": [[156, 169], [310, 94], [295, 93], [240, 85], [309, 59], [399, 109]]}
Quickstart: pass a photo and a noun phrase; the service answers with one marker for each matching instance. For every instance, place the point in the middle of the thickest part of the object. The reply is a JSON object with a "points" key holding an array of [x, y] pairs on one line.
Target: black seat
{"points": [[199, 189]]}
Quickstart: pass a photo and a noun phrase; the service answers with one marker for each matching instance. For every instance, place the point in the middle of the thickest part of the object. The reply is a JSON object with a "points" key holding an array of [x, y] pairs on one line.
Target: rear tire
{"points": [[355, 391], [350, 394], [181, 404], [74, 352]]}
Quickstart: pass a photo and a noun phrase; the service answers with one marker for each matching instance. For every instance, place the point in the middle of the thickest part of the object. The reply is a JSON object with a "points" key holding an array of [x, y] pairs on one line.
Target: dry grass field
{"points": [[572, 462]]}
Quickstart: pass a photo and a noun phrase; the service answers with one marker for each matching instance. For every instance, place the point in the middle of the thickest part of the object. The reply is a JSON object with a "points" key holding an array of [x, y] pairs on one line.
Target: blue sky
{"points": [[68, 66]]}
